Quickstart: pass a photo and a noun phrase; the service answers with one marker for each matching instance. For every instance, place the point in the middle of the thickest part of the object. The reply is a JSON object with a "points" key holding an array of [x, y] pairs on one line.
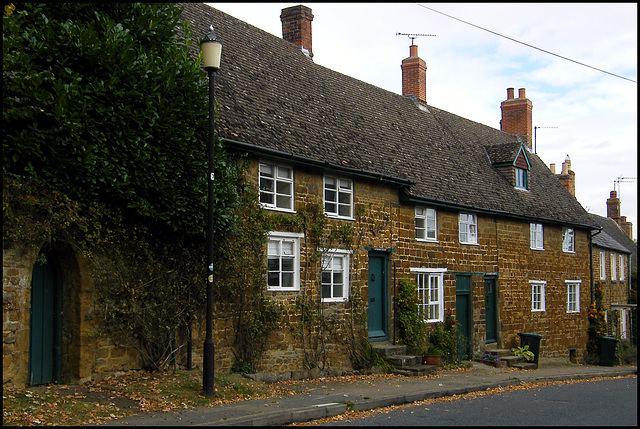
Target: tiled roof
{"points": [[614, 238], [273, 96]]}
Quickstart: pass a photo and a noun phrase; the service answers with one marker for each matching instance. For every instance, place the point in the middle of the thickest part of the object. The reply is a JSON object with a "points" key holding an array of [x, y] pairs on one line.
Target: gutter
{"points": [[457, 206]]}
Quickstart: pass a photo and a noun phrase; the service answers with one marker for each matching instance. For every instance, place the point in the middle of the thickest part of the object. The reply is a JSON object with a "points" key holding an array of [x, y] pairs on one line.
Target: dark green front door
{"points": [[491, 311], [45, 324], [463, 315], [377, 305]]}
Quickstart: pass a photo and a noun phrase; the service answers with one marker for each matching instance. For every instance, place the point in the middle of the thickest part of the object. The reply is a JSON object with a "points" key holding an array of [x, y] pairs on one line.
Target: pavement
{"points": [[327, 397]]}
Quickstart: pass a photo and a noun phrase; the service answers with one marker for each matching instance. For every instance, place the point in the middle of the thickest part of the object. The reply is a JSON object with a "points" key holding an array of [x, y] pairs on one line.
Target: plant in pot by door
{"points": [[432, 356]]}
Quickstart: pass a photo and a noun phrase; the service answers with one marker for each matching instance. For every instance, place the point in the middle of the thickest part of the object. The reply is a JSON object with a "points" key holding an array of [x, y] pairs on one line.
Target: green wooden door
{"points": [[491, 311], [45, 324], [377, 305], [463, 316]]}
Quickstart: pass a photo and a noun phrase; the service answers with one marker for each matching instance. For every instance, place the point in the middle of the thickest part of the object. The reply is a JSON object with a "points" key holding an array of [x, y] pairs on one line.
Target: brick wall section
{"points": [[16, 301]]}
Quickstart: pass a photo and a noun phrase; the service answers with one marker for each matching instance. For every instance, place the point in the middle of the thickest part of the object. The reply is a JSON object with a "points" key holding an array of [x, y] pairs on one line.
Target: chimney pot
{"points": [[552, 167], [521, 93], [509, 93], [413, 50]]}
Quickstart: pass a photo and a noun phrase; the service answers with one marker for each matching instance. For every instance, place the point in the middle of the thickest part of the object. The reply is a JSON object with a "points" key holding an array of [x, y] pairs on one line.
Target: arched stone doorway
{"points": [[60, 304]]}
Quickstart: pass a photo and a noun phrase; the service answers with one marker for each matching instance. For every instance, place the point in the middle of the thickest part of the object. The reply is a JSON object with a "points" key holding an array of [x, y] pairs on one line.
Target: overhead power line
{"points": [[526, 44]]}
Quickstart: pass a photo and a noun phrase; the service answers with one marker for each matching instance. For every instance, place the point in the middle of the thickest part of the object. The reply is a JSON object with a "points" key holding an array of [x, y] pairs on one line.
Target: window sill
{"points": [[277, 209], [281, 289], [470, 243], [537, 248], [335, 216], [427, 240]]}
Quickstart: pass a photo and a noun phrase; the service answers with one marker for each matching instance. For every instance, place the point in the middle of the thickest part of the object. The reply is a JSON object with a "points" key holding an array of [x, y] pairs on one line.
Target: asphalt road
{"points": [[609, 402]]}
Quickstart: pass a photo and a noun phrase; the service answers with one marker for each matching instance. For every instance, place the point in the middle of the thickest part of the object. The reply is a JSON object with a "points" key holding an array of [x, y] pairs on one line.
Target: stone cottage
{"points": [[467, 212]]}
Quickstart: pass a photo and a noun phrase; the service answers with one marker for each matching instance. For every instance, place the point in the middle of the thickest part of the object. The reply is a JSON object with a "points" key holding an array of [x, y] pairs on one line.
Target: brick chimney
{"points": [[567, 177], [613, 206], [613, 212], [517, 116], [296, 27], [414, 75]]}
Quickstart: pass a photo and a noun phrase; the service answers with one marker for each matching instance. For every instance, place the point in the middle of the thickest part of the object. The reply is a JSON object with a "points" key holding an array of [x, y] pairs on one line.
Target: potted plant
{"points": [[432, 356]]}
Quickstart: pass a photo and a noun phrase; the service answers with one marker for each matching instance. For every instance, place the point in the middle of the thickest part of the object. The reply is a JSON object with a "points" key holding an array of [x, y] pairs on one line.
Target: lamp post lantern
{"points": [[211, 48]]}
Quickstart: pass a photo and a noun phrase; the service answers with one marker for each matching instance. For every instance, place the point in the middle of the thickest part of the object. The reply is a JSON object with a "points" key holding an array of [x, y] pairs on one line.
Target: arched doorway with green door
{"points": [[45, 321]]}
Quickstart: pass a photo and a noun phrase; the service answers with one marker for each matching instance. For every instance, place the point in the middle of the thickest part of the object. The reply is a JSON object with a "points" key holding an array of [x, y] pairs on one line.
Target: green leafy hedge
{"points": [[103, 101]]}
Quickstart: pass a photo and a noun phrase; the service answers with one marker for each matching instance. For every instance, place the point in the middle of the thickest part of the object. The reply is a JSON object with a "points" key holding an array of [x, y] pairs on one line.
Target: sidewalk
{"points": [[326, 398]]}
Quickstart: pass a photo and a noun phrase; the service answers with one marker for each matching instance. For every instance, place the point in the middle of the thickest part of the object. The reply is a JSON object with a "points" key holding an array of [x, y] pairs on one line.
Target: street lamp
{"points": [[211, 48]]}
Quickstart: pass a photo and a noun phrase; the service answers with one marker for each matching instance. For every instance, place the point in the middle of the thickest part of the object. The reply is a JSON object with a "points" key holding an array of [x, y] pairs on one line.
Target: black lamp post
{"points": [[211, 48]]}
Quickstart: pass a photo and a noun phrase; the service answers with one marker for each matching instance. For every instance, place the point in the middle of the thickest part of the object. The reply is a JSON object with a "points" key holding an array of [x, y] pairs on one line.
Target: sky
{"points": [[577, 63]]}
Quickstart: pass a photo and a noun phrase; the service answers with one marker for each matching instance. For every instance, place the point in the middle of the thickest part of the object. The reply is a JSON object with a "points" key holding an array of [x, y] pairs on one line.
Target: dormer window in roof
{"points": [[512, 162]]}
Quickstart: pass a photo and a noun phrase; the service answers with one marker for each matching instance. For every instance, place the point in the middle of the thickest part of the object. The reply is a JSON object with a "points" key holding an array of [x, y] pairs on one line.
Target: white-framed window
{"points": [[621, 266], [568, 240], [537, 295], [468, 228], [603, 266], [338, 197], [430, 288], [426, 225], [537, 237], [623, 323], [276, 186], [522, 181], [283, 261], [573, 296], [335, 275], [614, 269]]}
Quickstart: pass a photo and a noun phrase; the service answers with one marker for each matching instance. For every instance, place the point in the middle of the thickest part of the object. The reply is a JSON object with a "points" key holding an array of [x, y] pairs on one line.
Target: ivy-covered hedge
{"points": [[103, 101]]}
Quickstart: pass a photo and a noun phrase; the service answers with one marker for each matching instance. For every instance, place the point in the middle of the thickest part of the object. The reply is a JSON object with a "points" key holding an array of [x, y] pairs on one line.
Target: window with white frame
{"points": [[603, 266], [426, 224], [521, 179], [573, 296], [568, 240], [335, 275], [338, 197], [283, 261], [276, 186], [430, 289], [621, 266], [614, 269], [537, 295], [537, 237], [468, 228]]}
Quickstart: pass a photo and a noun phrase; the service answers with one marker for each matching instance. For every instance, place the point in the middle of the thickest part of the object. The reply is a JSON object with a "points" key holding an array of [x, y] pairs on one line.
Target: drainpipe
{"points": [[393, 307]]}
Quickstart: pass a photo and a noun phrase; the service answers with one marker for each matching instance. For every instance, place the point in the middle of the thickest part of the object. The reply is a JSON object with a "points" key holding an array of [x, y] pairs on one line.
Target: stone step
{"points": [[387, 349], [525, 365], [499, 352], [417, 370], [404, 360], [512, 360]]}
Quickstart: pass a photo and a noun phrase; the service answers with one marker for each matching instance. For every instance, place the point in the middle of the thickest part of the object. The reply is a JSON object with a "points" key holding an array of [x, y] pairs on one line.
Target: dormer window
{"points": [[512, 161], [522, 181]]}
